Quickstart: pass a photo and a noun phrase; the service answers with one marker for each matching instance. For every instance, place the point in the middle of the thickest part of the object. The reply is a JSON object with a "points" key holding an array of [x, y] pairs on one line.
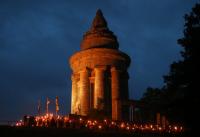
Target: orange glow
{"points": [[122, 125], [100, 127]]}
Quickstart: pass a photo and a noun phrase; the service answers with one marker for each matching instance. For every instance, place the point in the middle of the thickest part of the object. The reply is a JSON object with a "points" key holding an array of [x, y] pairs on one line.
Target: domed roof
{"points": [[99, 36]]}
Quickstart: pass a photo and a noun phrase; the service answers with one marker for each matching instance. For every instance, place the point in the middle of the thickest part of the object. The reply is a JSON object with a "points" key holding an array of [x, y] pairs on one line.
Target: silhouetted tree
{"points": [[179, 97], [181, 84], [151, 104]]}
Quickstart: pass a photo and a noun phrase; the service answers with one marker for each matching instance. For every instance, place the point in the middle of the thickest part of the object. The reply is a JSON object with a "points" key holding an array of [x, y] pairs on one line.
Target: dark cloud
{"points": [[37, 37]]}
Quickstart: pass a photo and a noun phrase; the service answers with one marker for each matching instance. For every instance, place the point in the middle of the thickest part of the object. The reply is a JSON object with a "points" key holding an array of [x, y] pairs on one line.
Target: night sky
{"points": [[37, 37]]}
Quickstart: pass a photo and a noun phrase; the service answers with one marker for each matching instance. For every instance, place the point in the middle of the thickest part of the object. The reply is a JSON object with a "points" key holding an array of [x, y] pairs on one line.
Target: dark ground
{"points": [[7, 131]]}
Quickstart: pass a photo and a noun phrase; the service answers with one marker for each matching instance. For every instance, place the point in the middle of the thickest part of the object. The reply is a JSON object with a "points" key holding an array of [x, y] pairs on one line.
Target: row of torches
{"points": [[49, 120]]}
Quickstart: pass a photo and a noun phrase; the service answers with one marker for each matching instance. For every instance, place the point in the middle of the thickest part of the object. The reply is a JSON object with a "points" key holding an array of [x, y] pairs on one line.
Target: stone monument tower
{"points": [[99, 73]]}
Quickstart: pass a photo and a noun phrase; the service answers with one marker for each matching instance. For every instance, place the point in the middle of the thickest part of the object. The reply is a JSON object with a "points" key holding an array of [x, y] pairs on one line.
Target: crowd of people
{"points": [[74, 121]]}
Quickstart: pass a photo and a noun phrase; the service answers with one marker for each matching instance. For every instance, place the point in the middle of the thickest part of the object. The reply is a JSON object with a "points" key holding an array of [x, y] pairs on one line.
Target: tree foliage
{"points": [[180, 97], [150, 104], [181, 84]]}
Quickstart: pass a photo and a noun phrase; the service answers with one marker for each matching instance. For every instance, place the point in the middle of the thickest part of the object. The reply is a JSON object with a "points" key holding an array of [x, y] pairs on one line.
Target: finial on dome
{"points": [[99, 20], [99, 12], [99, 36]]}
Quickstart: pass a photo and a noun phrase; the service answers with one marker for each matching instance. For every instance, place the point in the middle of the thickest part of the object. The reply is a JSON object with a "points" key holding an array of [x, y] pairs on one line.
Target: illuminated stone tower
{"points": [[99, 74]]}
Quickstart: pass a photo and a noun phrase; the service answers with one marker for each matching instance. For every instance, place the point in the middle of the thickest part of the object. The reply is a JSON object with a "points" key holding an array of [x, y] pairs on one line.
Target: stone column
{"points": [[78, 106], [74, 94], [115, 93], [99, 88], [84, 92], [131, 113]]}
